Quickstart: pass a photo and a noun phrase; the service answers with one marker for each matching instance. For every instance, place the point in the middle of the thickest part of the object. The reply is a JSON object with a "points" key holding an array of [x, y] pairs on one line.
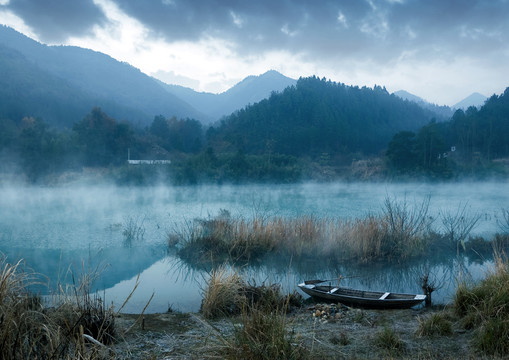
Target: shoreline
{"points": [[353, 334]]}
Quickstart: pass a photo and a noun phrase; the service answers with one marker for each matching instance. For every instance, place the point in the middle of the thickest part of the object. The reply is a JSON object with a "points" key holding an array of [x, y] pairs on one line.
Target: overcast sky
{"points": [[441, 50]]}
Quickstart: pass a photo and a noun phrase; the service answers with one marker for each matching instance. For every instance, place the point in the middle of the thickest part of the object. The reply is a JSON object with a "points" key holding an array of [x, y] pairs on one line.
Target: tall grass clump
{"points": [[485, 307], [133, 229], [227, 294], [25, 331], [223, 295], [437, 324], [262, 332], [76, 329], [388, 340], [263, 335]]}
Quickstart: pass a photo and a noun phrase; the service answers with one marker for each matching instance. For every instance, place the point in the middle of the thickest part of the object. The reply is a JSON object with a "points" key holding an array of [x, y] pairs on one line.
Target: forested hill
{"points": [[26, 90], [48, 77], [318, 116], [483, 132]]}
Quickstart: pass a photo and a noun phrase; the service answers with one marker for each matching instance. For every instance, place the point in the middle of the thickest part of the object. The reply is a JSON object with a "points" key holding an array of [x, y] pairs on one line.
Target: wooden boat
{"points": [[360, 298]]}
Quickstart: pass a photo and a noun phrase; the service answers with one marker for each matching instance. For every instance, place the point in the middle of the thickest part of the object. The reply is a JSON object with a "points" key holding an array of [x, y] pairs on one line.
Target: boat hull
{"points": [[361, 298]]}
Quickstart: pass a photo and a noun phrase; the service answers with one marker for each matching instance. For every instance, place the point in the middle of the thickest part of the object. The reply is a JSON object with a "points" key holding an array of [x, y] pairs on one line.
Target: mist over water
{"points": [[80, 228]]}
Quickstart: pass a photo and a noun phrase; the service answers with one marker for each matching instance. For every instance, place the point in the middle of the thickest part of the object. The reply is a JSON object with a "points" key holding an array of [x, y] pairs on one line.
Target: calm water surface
{"points": [[68, 230]]}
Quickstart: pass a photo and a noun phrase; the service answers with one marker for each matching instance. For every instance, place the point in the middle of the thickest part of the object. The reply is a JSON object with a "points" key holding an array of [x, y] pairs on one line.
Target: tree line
{"points": [[315, 126], [318, 116], [471, 143]]}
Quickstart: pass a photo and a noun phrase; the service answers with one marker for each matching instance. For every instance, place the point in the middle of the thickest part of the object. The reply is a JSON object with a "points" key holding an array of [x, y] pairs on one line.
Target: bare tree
{"points": [[458, 225], [429, 284], [406, 221], [503, 223]]}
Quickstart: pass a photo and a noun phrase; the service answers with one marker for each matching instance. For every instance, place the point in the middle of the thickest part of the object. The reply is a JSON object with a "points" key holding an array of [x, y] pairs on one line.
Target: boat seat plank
{"points": [[333, 290], [384, 295]]}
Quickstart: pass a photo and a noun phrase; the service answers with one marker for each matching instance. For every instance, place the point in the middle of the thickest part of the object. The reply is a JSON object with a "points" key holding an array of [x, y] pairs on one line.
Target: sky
{"points": [[440, 50]]}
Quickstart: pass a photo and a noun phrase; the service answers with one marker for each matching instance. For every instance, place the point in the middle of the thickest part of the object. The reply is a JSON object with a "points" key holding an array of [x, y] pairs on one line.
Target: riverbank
{"points": [[352, 334]]}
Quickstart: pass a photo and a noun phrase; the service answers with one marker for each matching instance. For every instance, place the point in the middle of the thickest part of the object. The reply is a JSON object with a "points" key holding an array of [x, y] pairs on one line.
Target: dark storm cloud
{"points": [[379, 30], [56, 20]]}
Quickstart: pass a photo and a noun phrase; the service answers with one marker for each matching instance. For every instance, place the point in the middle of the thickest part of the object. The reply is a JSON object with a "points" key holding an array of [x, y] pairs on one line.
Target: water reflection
{"points": [[74, 229], [179, 285], [108, 266]]}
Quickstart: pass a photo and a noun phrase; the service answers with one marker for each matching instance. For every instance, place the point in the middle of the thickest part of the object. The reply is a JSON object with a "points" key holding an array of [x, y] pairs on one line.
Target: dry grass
{"points": [[400, 232], [390, 342], [485, 307], [262, 333], [223, 294], [28, 330], [227, 293], [438, 324]]}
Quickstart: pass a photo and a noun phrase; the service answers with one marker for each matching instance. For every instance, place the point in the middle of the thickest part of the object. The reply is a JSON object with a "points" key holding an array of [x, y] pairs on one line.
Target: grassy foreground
{"points": [[249, 321], [76, 326], [270, 330]]}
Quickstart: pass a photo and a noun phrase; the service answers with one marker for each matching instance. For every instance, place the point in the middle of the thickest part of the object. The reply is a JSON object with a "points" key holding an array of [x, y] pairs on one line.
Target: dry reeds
{"points": [[24, 329], [223, 296], [28, 330], [398, 233], [262, 333]]}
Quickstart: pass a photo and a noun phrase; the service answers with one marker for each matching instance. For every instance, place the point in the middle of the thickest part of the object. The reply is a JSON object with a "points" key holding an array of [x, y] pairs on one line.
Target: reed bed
{"points": [[397, 234]]}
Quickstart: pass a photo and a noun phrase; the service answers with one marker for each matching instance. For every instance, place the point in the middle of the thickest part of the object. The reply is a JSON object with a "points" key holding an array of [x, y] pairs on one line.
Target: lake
{"points": [[64, 231]]}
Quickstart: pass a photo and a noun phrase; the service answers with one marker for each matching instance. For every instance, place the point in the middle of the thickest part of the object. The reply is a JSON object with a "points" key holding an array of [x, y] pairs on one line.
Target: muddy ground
{"points": [[341, 333]]}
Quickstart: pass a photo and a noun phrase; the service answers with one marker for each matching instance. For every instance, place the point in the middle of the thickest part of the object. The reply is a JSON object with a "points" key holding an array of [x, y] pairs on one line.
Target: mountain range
{"points": [[444, 111], [249, 91], [61, 84]]}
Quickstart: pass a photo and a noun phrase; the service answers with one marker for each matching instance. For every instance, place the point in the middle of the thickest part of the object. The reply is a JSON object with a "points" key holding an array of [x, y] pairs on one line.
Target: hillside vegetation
{"points": [[472, 143], [71, 79], [318, 116]]}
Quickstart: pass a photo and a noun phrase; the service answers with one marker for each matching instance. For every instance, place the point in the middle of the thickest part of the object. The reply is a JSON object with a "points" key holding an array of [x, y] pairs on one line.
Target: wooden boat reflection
{"points": [[360, 298]]}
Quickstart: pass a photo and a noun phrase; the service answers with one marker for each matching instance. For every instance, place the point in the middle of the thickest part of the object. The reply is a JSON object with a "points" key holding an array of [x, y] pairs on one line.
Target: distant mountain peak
{"points": [[475, 99], [442, 112], [405, 95], [250, 90]]}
